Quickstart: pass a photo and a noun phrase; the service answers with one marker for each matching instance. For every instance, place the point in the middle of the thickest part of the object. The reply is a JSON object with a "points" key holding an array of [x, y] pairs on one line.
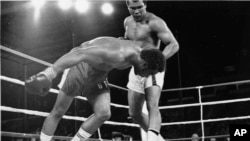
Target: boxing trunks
{"points": [[83, 79], [139, 84]]}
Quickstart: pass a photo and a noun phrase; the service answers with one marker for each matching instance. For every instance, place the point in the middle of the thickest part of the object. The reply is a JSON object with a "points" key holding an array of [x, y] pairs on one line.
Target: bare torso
{"points": [[112, 52], [141, 31]]}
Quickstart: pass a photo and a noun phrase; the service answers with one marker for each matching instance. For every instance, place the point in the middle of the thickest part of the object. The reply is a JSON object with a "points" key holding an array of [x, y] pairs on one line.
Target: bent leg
{"points": [[62, 104], [136, 101], [152, 97], [101, 107]]}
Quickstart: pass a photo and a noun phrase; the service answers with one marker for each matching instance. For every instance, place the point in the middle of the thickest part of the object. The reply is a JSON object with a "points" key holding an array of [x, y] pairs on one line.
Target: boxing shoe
{"points": [[38, 84]]}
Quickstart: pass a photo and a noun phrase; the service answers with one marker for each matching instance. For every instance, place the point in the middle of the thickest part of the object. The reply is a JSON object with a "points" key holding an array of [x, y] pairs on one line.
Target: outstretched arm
{"points": [[41, 82], [69, 60], [166, 36], [91, 55]]}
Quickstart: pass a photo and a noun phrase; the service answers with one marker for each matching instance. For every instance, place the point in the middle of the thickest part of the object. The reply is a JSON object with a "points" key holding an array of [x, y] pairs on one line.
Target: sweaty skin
{"points": [[104, 53], [150, 29], [89, 65]]}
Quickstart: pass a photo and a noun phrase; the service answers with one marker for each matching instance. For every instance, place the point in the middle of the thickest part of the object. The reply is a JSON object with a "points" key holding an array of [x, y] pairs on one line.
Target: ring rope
{"points": [[201, 114], [167, 90], [188, 88], [206, 103], [118, 87], [207, 120], [13, 80], [41, 61], [25, 135], [25, 56], [208, 86], [45, 114], [16, 81]]}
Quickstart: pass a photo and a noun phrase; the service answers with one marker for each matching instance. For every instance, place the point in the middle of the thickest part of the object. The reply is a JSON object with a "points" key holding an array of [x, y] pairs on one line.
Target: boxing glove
{"points": [[40, 83]]}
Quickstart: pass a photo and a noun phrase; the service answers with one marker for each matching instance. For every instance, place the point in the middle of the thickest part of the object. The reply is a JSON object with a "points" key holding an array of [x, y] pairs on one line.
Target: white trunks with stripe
{"points": [[139, 84]]}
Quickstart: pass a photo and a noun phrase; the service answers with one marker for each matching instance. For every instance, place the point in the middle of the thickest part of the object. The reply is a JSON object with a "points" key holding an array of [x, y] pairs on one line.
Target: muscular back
{"points": [[142, 31], [106, 53]]}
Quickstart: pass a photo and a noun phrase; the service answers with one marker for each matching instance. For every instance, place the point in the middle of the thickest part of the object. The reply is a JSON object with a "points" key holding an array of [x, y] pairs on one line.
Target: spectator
{"points": [[212, 139], [195, 137], [117, 136]]}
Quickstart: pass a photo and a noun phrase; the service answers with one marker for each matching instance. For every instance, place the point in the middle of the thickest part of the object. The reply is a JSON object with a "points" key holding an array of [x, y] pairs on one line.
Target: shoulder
{"points": [[156, 23], [127, 20], [153, 19]]}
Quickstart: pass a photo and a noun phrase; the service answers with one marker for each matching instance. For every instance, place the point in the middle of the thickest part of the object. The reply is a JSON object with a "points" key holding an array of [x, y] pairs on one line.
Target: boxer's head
{"points": [[137, 8], [150, 62]]}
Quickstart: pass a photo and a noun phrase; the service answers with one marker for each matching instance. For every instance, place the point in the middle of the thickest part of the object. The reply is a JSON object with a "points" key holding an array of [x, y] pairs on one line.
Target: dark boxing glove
{"points": [[40, 83]]}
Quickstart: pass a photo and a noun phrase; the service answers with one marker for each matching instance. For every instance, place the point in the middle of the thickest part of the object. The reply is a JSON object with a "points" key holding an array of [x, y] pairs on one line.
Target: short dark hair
{"points": [[154, 59], [144, 1]]}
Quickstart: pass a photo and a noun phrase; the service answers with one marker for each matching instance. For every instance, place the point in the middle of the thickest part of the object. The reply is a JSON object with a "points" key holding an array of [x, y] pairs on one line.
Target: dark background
{"points": [[214, 38]]}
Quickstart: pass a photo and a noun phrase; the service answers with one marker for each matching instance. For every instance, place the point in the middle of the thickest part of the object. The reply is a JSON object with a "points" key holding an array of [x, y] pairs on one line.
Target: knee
{"points": [[152, 107], [136, 116], [103, 115]]}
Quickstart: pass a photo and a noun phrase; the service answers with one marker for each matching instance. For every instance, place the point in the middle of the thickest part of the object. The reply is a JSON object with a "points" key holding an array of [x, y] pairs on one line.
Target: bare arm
{"points": [[88, 55], [125, 27], [41, 82], [166, 36]]}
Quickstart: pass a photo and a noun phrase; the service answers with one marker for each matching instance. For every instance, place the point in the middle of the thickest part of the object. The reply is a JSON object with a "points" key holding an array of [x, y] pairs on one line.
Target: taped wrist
{"points": [[50, 73]]}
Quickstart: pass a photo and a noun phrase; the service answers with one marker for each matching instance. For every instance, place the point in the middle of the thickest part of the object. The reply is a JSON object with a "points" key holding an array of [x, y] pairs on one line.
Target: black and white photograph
{"points": [[125, 70]]}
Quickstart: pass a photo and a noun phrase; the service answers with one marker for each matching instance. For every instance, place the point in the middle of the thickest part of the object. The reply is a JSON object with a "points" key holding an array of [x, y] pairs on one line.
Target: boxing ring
{"points": [[200, 104]]}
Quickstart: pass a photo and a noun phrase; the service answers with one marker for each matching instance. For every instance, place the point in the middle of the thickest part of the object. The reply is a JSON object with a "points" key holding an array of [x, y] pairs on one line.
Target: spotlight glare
{"points": [[107, 8], [65, 4], [82, 5], [36, 14], [38, 3]]}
